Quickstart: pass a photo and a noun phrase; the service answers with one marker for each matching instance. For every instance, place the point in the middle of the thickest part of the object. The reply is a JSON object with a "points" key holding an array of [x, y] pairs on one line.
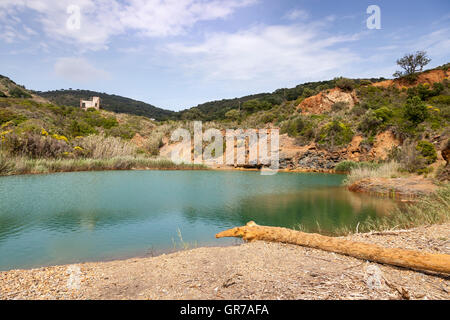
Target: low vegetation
{"points": [[428, 210], [23, 165], [384, 170]]}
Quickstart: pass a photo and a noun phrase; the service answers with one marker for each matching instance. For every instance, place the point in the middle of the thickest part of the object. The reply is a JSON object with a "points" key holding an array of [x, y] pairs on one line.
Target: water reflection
{"points": [[65, 218]]}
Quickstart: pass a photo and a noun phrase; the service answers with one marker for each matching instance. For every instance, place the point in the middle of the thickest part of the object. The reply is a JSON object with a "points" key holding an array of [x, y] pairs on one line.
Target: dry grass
{"points": [[21, 165], [386, 170], [428, 210], [102, 147]]}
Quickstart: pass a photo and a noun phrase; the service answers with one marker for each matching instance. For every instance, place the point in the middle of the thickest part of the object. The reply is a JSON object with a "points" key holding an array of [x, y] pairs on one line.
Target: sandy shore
{"points": [[257, 270]]}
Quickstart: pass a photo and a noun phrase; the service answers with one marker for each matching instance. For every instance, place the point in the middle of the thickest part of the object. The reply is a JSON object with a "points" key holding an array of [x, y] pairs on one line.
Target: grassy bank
{"points": [[385, 170], [22, 165], [428, 210]]}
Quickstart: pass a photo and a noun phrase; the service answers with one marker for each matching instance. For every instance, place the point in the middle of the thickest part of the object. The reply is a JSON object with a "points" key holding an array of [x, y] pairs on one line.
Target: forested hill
{"points": [[213, 110], [216, 110], [109, 102]]}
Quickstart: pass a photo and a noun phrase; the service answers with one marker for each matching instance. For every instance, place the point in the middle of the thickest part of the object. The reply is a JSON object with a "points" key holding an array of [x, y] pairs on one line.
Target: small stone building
{"points": [[94, 103]]}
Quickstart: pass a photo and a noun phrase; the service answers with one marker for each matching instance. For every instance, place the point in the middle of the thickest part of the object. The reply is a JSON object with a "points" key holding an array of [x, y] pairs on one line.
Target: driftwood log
{"points": [[397, 257]]}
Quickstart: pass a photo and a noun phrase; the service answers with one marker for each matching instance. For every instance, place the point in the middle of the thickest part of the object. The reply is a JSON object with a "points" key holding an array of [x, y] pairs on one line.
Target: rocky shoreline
{"points": [[397, 188]]}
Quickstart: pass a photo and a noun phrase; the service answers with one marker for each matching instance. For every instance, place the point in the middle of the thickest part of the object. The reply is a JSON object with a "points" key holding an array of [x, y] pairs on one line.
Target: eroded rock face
{"points": [[384, 142], [429, 77], [323, 101], [138, 140]]}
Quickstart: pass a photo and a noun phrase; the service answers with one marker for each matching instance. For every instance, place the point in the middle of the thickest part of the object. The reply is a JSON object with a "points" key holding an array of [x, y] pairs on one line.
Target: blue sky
{"points": [[176, 54]]}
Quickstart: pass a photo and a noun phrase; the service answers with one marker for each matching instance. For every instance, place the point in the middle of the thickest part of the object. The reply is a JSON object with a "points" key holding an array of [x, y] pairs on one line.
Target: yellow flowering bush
{"points": [[60, 137], [3, 135]]}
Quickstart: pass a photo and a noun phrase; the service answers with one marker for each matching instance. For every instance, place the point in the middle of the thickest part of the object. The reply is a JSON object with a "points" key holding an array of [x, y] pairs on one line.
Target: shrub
{"points": [[123, 131], [8, 115], [384, 113], [370, 123], [441, 99], [36, 146], [6, 166], [233, 114], [358, 110], [345, 84], [338, 106], [415, 110], [408, 156], [256, 105], [80, 128], [154, 143], [2, 94], [427, 151], [335, 133], [101, 147], [19, 93], [293, 127], [346, 166]]}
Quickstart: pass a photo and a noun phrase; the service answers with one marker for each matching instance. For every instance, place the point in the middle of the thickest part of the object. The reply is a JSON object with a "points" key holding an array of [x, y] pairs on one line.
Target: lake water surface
{"points": [[89, 216]]}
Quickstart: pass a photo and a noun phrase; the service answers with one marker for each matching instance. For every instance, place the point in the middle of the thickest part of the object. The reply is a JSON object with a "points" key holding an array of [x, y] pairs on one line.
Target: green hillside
{"points": [[109, 102]]}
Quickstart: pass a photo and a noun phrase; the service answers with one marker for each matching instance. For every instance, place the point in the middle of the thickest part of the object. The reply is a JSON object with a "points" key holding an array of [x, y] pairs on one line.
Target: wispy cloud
{"points": [[102, 19], [297, 14], [268, 53], [79, 70]]}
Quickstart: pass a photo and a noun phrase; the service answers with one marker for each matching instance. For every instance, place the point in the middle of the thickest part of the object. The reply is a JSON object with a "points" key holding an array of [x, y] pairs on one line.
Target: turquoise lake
{"points": [[91, 216]]}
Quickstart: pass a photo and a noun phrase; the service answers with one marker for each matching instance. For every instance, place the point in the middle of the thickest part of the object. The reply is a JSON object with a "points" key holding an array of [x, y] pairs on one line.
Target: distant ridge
{"points": [[110, 102]]}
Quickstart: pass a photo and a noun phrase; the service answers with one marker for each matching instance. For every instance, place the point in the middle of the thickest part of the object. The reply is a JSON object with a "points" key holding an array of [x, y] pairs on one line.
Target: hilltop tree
{"points": [[412, 63]]}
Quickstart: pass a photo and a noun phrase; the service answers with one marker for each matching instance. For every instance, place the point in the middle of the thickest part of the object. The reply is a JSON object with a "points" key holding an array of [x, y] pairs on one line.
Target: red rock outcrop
{"points": [[429, 77], [323, 101]]}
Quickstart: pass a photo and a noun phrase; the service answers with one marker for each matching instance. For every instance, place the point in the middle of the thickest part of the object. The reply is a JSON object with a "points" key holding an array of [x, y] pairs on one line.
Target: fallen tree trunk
{"points": [[397, 257]]}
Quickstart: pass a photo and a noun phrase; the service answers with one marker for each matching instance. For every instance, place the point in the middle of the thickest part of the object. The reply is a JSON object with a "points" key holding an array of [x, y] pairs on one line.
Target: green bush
{"points": [[345, 84], [8, 115], [338, 106], [233, 115], [19, 93], [384, 113], [415, 110], [2, 94], [348, 165], [425, 91], [81, 128], [256, 105], [293, 127], [36, 146], [370, 123], [441, 99], [335, 133], [427, 151]]}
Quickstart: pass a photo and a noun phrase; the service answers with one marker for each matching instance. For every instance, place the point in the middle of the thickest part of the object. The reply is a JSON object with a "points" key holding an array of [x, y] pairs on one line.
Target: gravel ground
{"points": [[257, 270]]}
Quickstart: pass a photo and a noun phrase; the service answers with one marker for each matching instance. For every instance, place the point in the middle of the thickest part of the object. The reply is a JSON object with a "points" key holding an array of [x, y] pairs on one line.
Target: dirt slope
{"points": [[430, 77]]}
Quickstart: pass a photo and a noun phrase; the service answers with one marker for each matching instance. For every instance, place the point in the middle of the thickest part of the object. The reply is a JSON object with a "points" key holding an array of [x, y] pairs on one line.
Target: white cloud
{"points": [[78, 70], [297, 14], [102, 19], [271, 54]]}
